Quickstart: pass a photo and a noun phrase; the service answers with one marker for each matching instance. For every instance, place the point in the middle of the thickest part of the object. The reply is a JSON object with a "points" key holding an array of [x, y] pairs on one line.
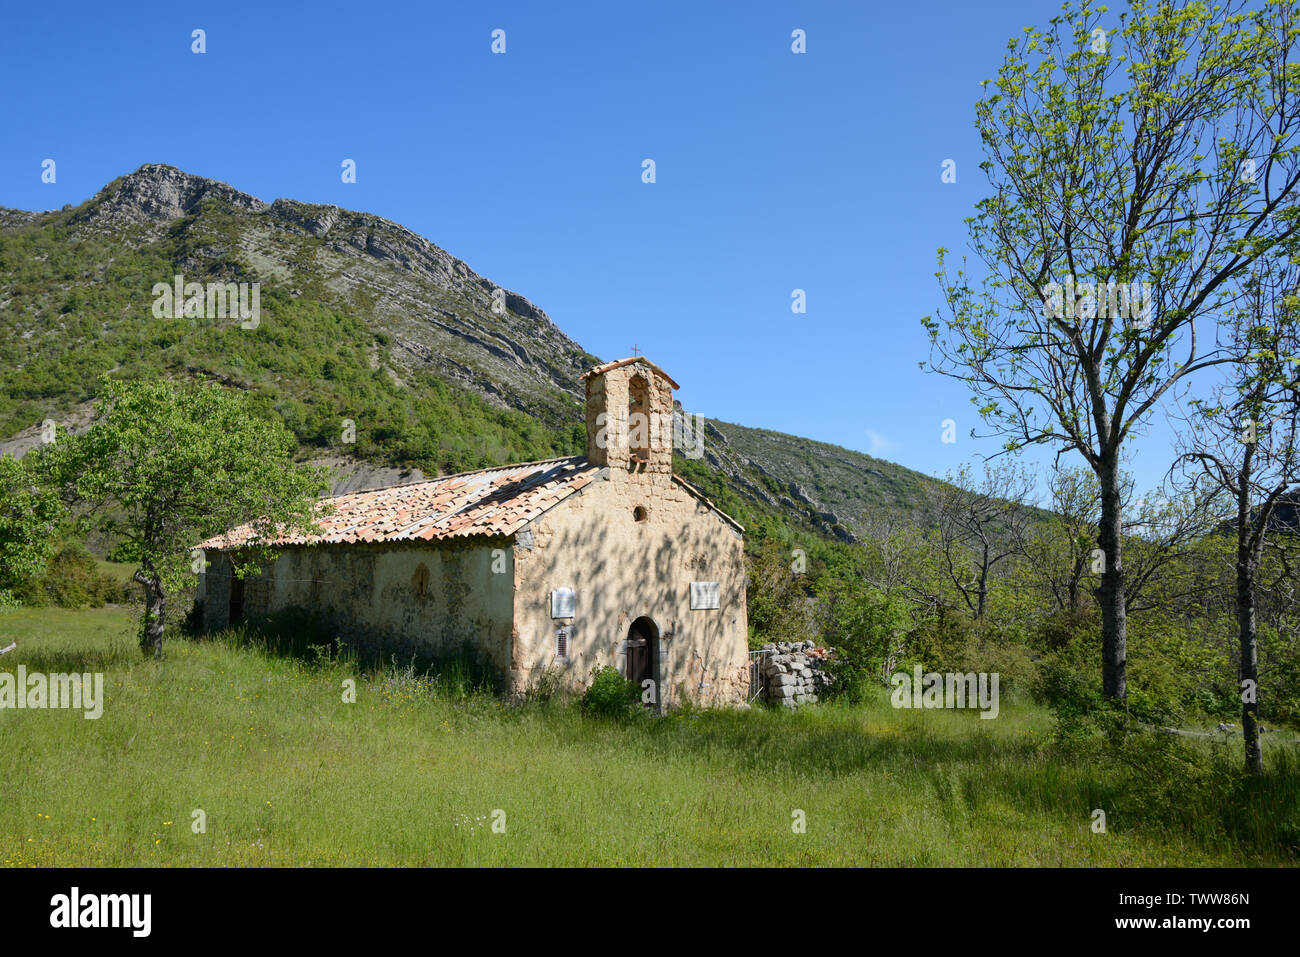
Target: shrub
{"points": [[71, 580], [610, 695], [1279, 670], [1059, 628], [954, 643], [868, 631]]}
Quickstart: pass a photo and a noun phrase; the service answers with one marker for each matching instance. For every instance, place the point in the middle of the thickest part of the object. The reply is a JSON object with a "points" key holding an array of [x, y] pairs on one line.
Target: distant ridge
{"points": [[438, 367]]}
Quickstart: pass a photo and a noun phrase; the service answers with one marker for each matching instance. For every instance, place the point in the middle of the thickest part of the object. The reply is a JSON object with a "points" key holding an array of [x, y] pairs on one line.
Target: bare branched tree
{"points": [[1242, 442], [982, 523]]}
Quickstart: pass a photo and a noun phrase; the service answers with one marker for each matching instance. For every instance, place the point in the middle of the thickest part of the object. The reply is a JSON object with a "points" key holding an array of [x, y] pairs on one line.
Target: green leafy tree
{"points": [[868, 630], [778, 590], [1136, 169], [168, 466], [29, 515]]}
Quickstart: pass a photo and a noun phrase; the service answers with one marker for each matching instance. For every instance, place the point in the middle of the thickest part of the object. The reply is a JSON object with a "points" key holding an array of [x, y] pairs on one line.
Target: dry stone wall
{"points": [[794, 673]]}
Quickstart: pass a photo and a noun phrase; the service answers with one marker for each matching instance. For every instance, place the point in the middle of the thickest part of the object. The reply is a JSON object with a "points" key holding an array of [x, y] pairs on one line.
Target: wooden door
{"points": [[638, 660]]}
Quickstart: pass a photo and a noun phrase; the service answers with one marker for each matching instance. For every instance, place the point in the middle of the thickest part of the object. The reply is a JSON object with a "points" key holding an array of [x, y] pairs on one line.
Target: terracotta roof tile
{"points": [[601, 370], [488, 502]]}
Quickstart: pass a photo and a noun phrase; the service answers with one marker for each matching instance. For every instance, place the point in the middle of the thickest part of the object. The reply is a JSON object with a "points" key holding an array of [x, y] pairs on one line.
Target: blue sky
{"points": [[775, 171]]}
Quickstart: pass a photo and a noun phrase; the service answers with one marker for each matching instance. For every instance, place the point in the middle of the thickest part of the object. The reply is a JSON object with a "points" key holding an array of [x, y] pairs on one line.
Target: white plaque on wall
{"points": [[562, 603], [705, 595]]}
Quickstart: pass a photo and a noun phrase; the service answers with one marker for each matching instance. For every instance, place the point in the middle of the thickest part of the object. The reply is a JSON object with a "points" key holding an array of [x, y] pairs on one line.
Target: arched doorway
{"points": [[643, 653]]}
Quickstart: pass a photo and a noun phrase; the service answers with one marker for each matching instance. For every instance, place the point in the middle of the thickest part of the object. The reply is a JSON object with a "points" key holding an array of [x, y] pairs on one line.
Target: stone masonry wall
{"points": [[794, 673]]}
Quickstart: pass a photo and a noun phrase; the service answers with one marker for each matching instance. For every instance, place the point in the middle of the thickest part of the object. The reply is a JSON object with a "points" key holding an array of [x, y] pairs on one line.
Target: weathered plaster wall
{"points": [[622, 569], [379, 599]]}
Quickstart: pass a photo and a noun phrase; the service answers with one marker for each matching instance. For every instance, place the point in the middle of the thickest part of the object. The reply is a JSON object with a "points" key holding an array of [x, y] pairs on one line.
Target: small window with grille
{"points": [[562, 636]]}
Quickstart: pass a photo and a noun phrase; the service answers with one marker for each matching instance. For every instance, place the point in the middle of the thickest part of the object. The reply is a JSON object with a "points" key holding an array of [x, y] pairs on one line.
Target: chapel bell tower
{"points": [[630, 418]]}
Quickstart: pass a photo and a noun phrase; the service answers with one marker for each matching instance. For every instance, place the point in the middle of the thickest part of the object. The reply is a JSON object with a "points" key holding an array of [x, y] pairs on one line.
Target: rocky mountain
{"points": [[364, 322], [438, 311], [843, 494]]}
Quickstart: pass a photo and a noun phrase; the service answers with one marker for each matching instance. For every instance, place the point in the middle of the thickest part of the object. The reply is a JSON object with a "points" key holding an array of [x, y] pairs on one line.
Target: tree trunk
{"points": [[1249, 665], [154, 608], [1247, 562], [1110, 595]]}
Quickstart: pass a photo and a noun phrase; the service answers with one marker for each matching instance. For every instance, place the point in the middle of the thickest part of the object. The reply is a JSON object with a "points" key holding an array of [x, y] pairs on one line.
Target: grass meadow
{"points": [[416, 772]]}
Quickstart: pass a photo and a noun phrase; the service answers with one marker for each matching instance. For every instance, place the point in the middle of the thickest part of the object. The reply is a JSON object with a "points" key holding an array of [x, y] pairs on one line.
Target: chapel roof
{"points": [[619, 363], [496, 501], [488, 502]]}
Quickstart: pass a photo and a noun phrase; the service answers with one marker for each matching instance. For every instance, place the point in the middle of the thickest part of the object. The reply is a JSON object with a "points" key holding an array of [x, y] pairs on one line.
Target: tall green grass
{"points": [[417, 771]]}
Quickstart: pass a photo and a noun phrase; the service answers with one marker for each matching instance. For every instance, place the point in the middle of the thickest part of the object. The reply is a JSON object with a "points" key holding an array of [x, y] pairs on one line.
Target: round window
{"points": [[640, 514]]}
